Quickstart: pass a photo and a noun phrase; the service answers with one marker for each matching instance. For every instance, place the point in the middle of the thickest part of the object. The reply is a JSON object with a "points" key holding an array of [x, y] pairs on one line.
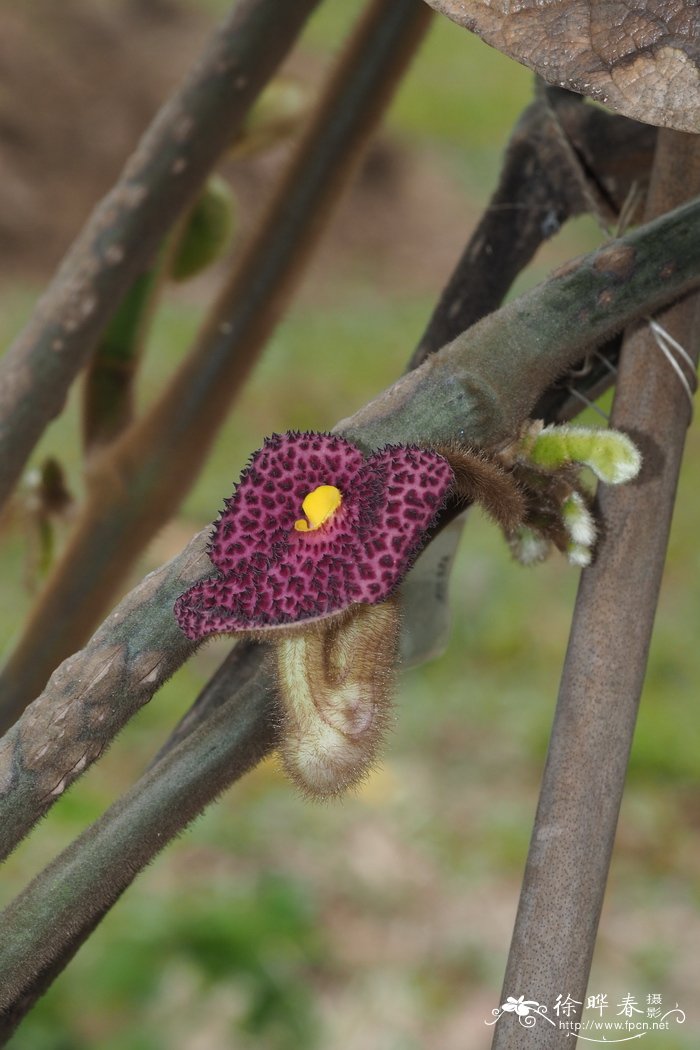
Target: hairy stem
{"points": [[45, 925], [122, 235], [482, 384], [148, 472], [574, 830]]}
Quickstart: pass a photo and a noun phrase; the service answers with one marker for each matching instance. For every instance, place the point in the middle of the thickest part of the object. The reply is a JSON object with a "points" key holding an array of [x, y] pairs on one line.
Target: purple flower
{"points": [[312, 528]]}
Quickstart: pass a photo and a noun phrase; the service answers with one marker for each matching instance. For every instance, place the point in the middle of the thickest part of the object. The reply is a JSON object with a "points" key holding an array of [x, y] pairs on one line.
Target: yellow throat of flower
{"points": [[318, 506]]}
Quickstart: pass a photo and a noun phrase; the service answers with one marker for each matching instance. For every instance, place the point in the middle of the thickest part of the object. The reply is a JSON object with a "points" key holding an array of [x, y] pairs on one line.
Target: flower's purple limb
{"points": [[335, 685], [222, 605], [271, 575], [415, 485], [259, 517], [214, 606]]}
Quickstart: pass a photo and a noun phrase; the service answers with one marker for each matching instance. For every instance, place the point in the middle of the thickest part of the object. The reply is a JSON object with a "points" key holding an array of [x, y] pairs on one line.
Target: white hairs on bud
{"points": [[528, 546]]}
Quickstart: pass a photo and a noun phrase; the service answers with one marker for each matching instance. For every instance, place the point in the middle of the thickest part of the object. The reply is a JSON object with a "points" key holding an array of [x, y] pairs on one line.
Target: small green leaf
{"points": [[208, 232], [610, 454], [578, 520]]}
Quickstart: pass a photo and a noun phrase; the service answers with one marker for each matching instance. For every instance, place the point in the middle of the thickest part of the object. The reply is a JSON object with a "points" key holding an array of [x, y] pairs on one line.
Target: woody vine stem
{"points": [[603, 675]]}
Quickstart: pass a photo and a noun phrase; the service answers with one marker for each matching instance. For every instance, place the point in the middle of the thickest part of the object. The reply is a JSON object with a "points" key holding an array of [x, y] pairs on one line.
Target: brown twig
{"points": [[124, 231], [458, 391], [469, 389], [564, 157], [108, 389], [201, 235], [92, 695], [603, 675], [560, 151], [145, 475]]}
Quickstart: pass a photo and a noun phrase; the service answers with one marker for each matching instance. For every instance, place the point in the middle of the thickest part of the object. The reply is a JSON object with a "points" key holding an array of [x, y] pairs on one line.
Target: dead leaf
{"points": [[642, 60]]}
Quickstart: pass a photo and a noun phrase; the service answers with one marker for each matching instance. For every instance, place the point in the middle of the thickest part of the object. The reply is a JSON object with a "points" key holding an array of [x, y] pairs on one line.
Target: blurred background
{"points": [[382, 921]]}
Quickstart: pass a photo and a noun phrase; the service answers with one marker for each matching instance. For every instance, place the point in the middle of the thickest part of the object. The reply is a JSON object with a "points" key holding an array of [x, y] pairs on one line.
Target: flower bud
{"points": [[609, 453]]}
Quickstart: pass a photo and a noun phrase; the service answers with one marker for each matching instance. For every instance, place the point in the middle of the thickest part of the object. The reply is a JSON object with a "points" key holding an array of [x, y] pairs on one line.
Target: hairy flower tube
{"points": [[313, 528], [337, 686]]}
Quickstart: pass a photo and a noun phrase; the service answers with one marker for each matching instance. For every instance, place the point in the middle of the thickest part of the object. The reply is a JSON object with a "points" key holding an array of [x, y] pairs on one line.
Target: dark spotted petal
{"points": [[416, 483], [272, 575], [313, 581], [220, 605], [259, 517]]}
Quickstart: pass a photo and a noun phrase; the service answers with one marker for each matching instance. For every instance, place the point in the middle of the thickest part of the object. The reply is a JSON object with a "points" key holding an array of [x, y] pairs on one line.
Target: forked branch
{"points": [[478, 388]]}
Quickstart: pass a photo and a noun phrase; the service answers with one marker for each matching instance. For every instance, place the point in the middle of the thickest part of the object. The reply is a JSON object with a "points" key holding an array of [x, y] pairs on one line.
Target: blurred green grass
{"points": [[275, 923]]}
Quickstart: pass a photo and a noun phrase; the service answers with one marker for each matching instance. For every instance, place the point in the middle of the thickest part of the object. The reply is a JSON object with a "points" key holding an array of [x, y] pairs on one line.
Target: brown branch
{"points": [[603, 675], [92, 695], [560, 151], [564, 158], [479, 387], [123, 233], [147, 473], [483, 384], [109, 386]]}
